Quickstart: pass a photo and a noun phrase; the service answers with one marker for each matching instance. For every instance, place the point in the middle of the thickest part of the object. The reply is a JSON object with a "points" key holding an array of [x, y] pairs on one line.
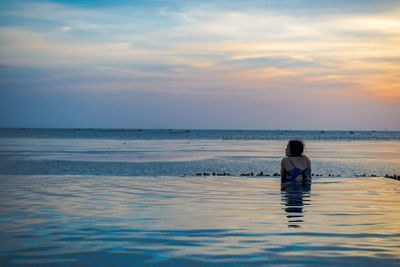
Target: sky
{"points": [[305, 64]]}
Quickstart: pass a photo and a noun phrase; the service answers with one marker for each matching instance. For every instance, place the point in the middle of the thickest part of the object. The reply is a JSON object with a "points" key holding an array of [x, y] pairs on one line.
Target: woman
{"points": [[295, 167]]}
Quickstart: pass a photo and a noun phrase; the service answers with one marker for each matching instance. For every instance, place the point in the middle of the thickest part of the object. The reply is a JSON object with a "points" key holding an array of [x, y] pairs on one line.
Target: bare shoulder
{"points": [[307, 159], [284, 160]]}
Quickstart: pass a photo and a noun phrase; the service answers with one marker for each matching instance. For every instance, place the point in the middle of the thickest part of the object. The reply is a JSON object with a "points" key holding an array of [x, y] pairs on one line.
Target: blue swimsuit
{"points": [[295, 172]]}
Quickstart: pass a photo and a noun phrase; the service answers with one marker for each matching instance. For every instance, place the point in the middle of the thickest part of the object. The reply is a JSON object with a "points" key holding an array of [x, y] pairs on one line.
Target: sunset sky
{"points": [[283, 64]]}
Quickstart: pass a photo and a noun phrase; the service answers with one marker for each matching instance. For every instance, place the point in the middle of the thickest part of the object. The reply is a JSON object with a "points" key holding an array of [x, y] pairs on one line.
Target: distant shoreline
{"points": [[185, 129], [199, 134]]}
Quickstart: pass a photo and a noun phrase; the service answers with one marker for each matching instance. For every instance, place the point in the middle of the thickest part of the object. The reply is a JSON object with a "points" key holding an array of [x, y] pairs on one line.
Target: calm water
{"points": [[176, 153], [232, 220], [126, 197]]}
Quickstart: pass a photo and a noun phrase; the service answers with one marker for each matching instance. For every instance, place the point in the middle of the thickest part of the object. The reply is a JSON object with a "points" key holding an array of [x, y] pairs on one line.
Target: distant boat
{"points": [[180, 132]]}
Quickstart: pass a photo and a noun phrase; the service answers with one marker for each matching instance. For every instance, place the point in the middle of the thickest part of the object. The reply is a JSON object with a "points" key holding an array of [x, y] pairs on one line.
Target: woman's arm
{"points": [[309, 163], [283, 172]]}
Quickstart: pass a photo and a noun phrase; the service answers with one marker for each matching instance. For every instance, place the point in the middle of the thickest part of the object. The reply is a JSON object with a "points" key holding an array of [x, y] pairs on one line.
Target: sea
{"points": [[178, 197]]}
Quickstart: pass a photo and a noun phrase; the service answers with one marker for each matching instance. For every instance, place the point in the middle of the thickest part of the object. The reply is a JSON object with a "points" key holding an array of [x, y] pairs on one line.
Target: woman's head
{"points": [[294, 148]]}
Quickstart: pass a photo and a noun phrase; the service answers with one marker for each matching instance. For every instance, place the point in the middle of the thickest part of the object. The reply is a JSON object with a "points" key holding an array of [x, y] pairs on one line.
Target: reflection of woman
{"points": [[295, 167], [293, 205], [295, 197]]}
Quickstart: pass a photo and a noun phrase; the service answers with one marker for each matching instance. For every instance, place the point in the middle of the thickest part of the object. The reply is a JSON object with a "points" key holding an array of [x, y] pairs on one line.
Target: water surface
{"points": [[203, 220], [133, 197]]}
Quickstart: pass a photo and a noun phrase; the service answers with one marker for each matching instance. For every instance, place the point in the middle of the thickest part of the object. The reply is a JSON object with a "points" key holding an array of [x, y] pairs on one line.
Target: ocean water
{"points": [[180, 153], [134, 197]]}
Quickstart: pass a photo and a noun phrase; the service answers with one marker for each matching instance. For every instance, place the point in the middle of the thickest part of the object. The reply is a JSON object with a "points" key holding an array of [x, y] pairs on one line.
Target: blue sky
{"points": [[200, 64]]}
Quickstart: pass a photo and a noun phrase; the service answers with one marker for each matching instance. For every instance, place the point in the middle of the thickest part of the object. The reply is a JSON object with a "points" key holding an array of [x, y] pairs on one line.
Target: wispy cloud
{"points": [[270, 51]]}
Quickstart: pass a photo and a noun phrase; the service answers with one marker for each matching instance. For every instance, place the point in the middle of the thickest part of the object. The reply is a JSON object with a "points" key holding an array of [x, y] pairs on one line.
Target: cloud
{"points": [[66, 29], [264, 49]]}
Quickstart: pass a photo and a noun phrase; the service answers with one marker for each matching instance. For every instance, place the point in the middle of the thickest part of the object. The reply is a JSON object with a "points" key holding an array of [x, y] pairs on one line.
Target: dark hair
{"points": [[296, 148]]}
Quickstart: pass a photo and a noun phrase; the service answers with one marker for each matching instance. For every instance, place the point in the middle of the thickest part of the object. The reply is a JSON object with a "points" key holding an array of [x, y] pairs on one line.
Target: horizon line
{"points": [[190, 129]]}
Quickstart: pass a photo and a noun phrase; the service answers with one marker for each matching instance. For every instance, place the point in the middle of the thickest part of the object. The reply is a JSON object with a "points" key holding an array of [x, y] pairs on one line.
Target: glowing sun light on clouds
{"points": [[311, 51]]}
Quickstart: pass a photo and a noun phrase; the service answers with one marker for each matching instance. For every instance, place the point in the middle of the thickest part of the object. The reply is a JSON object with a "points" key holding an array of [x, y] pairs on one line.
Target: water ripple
{"points": [[84, 220]]}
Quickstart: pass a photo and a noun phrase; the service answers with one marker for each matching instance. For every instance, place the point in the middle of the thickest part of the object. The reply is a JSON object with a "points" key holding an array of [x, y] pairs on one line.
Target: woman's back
{"points": [[295, 166]]}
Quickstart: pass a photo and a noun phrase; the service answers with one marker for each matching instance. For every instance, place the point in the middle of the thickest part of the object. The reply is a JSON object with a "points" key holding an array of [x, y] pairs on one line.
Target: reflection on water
{"points": [[115, 220], [294, 197]]}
